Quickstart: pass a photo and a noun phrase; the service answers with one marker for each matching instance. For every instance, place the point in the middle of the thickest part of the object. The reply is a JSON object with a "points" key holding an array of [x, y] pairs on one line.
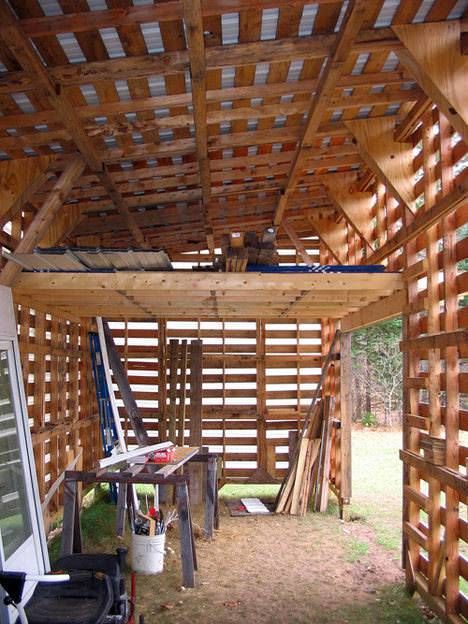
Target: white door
{"points": [[22, 544]]}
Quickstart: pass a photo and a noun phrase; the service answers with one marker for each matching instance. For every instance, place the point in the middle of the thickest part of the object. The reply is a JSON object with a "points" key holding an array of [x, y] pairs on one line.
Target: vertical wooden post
{"points": [[162, 381], [172, 408], [261, 399], [346, 416], [196, 395]]}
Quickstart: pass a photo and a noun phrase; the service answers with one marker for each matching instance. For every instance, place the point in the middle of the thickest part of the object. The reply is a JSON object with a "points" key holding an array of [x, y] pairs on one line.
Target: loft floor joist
{"points": [[179, 294]]}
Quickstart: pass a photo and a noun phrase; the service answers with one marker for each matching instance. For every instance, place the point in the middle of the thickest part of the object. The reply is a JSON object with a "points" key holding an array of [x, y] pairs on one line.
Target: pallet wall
{"points": [[258, 378], [60, 395], [435, 419]]}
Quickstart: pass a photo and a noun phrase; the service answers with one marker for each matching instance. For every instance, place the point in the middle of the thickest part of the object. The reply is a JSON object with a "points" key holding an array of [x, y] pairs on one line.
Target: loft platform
{"points": [[178, 294]]}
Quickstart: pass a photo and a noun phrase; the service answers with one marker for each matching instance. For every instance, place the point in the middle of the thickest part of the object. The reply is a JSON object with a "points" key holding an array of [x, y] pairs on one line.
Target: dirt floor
{"points": [[275, 569], [283, 569]]}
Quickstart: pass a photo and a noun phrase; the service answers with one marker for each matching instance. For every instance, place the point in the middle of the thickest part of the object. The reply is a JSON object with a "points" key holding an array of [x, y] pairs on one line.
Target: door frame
{"points": [[9, 340]]}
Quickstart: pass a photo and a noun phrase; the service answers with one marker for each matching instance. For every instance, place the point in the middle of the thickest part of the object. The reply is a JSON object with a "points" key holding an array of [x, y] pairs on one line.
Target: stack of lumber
{"points": [[308, 475], [242, 248], [307, 478]]}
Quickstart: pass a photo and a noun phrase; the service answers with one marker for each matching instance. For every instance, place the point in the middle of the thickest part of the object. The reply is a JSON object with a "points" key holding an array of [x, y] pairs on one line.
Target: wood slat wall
{"points": [[60, 395], [258, 379], [435, 529]]}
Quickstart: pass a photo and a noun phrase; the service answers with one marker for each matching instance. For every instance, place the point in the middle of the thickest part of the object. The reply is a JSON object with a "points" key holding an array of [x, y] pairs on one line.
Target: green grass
{"points": [[357, 549], [377, 483], [234, 491], [394, 606]]}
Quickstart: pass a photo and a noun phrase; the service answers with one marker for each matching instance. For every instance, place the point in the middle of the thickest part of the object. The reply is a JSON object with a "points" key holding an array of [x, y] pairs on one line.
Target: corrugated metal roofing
{"points": [[92, 260]]}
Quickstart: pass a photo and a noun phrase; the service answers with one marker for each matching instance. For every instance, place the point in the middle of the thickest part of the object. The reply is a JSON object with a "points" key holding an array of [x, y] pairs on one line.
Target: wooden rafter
{"points": [[28, 58], [44, 218], [389, 159], [351, 24], [196, 48], [296, 241], [433, 55]]}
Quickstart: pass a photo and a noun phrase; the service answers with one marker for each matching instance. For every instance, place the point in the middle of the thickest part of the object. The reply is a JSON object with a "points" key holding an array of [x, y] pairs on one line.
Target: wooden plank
{"points": [[172, 407], [196, 47], [433, 56], [296, 241], [390, 160], [328, 80], [121, 379], [376, 312], [346, 413], [195, 436], [44, 217]]}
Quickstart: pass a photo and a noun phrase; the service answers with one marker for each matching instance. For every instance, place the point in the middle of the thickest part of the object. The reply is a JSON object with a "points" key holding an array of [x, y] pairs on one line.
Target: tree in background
{"points": [[378, 374]]}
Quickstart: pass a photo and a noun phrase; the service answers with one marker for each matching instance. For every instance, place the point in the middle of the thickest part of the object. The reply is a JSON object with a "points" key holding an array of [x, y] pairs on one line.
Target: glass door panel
{"points": [[15, 520]]}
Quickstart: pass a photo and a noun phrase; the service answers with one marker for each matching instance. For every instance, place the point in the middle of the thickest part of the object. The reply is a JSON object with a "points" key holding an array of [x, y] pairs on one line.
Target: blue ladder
{"points": [[109, 435]]}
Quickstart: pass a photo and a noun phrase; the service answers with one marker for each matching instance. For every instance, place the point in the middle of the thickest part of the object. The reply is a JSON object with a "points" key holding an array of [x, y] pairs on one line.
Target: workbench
{"points": [[153, 474]]}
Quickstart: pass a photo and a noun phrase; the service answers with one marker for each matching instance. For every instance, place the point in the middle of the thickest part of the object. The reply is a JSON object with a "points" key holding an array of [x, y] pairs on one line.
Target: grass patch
{"points": [[357, 549], [394, 607], [248, 490]]}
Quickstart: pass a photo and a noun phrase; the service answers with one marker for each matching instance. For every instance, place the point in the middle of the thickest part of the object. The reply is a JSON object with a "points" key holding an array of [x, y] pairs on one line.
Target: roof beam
{"points": [[131, 15], [329, 79], [27, 56], [390, 160], [196, 48], [19, 181], [296, 241], [44, 218], [355, 206], [422, 222], [333, 235], [166, 63], [432, 54]]}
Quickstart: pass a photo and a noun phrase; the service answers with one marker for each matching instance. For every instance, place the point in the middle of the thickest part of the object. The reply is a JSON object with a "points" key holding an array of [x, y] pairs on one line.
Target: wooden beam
{"points": [[333, 234], [188, 281], [375, 312], [167, 63], [196, 47], [432, 54], [296, 241], [28, 58], [19, 180], [390, 160], [356, 206], [44, 217], [161, 12], [409, 124], [422, 222], [351, 25]]}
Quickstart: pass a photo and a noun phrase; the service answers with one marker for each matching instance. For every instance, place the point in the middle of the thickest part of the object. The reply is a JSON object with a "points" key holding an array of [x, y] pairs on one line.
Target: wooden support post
{"points": [[182, 393], [162, 380], [345, 416], [44, 217], [172, 407], [195, 438], [187, 539]]}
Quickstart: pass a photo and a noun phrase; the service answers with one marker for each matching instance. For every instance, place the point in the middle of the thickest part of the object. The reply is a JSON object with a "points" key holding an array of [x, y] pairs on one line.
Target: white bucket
{"points": [[148, 553]]}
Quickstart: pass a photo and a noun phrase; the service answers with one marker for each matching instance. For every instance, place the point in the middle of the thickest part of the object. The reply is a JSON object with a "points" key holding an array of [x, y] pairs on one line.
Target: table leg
{"points": [[71, 519], [120, 512], [186, 535], [210, 498]]}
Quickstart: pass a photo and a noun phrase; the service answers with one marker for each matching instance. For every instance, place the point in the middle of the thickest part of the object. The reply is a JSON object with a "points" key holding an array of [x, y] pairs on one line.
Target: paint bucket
{"points": [[148, 553]]}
